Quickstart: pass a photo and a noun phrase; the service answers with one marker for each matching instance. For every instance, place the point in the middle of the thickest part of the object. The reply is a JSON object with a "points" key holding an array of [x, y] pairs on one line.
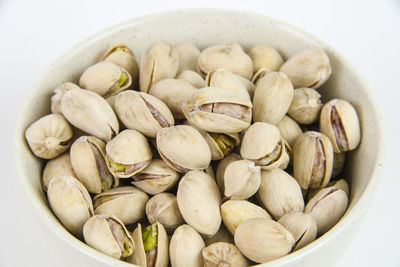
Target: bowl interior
{"points": [[204, 28]]}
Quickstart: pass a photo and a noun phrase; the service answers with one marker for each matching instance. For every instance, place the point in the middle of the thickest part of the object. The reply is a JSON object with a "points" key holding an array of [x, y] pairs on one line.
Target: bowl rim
{"points": [[40, 211]]}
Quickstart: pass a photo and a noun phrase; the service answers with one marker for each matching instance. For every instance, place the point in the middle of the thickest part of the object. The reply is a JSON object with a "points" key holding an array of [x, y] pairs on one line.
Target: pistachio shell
{"points": [[88, 160], [90, 112], [289, 129], [308, 68], [221, 236], [264, 56], [263, 240], [143, 112], [210, 171], [306, 105], [157, 177], [225, 79], [192, 77], [280, 193], [227, 56], [198, 201], [163, 208], [312, 160], [223, 254], [188, 54], [59, 166], [272, 97], [234, 212], [218, 110], [302, 226], [183, 148], [49, 136], [174, 93], [125, 202], [70, 202], [129, 149], [241, 179], [58, 94], [339, 121], [222, 165], [185, 247], [160, 61]]}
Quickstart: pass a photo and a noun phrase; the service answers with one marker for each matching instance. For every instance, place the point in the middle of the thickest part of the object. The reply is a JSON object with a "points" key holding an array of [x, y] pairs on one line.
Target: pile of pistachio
{"points": [[197, 158]]}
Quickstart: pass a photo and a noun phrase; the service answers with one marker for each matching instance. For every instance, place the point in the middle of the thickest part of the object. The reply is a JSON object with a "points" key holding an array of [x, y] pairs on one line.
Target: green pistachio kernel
{"points": [[122, 79], [117, 167], [224, 142], [149, 236], [123, 49]]}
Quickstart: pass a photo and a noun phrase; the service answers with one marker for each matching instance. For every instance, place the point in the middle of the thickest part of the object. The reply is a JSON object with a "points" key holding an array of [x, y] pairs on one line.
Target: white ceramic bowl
{"points": [[206, 27]]}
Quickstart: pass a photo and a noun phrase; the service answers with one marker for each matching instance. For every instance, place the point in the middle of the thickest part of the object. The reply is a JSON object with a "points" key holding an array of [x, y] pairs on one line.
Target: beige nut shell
{"points": [[223, 254], [242, 179], [264, 56], [188, 54], [289, 129], [59, 166]]}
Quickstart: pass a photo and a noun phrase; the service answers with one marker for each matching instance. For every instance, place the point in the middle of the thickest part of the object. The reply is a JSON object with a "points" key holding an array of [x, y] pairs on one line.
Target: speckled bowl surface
{"points": [[205, 27]]}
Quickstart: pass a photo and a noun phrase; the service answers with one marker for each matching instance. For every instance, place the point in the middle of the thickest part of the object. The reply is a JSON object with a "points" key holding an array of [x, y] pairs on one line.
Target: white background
{"points": [[34, 33]]}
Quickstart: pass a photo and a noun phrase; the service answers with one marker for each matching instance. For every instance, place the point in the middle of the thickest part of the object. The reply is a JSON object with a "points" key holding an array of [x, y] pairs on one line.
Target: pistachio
{"points": [[218, 110], [160, 61], [49, 136], [312, 160], [188, 54], [223, 254], [241, 179], [125, 202], [264, 56], [222, 165], [108, 234], [327, 207], [58, 94], [221, 236], [128, 153], [306, 105], [185, 247], [259, 74], [263, 240], [70, 202], [302, 226], [90, 112], [143, 112], [289, 129], [227, 56], [272, 97], [88, 160], [225, 79], [234, 212], [339, 159], [308, 68], [339, 184], [198, 201], [59, 166], [339, 121], [183, 148], [163, 208], [192, 77]]}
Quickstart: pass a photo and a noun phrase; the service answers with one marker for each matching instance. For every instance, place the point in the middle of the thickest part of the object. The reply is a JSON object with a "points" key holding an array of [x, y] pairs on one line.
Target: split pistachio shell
{"points": [[306, 105], [185, 247], [188, 54], [108, 234], [157, 177], [227, 56], [263, 240], [192, 77], [160, 61], [327, 207], [259, 74], [183, 148], [262, 144], [88, 160], [49, 136], [90, 112], [339, 121], [122, 55], [289, 129], [312, 160], [174, 93], [302, 226], [272, 97], [339, 159], [143, 112], [128, 153], [219, 110], [234, 212], [225, 79], [222, 165], [105, 78], [151, 246], [125, 202], [223, 254], [221, 236], [58, 94], [163, 208], [264, 56], [308, 68], [280, 193], [340, 184], [199, 201], [59, 166], [70, 202], [242, 179]]}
